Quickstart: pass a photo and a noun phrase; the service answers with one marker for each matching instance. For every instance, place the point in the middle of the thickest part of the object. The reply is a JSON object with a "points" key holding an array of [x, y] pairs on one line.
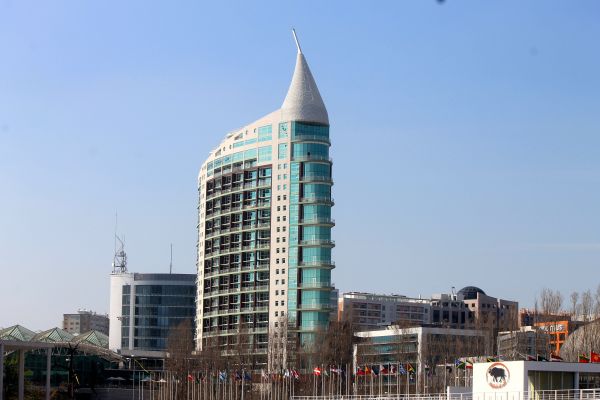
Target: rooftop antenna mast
{"points": [[171, 263], [296, 40], [120, 257]]}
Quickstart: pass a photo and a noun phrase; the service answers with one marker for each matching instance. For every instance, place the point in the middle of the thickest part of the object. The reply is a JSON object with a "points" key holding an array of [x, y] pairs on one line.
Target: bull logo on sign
{"points": [[497, 375]]}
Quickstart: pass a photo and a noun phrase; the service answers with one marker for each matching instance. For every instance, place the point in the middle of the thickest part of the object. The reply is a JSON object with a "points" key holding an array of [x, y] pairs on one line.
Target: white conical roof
{"points": [[303, 101]]}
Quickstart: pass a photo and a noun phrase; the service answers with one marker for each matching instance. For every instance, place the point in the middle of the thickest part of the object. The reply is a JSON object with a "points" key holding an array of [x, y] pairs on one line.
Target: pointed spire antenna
{"points": [[296, 40]]}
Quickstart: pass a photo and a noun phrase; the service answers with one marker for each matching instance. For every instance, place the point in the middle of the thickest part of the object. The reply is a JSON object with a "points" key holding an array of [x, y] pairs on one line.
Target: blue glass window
{"points": [[264, 154], [282, 151], [264, 133], [314, 150]]}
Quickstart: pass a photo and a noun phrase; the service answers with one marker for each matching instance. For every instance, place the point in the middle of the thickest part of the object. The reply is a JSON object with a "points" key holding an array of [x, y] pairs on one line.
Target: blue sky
{"points": [[466, 139]]}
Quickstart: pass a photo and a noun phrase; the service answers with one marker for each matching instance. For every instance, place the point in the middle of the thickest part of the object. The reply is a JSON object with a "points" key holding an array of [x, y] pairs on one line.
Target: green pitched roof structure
{"points": [[53, 335], [92, 337], [16, 332]]}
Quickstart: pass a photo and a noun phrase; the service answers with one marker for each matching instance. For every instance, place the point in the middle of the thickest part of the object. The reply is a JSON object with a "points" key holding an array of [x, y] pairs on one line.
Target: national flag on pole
{"points": [[375, 370], [360, 371], [541, 358], [368, 370], [554, 357], [317, 371], [222, 375], [583, 358], [460, 364], [383, 370], [468, 364], [531, 358], [401, 369], [190, 378], [594, 357], [491, 359], [263, 375], [295, 374], [410, 368]]}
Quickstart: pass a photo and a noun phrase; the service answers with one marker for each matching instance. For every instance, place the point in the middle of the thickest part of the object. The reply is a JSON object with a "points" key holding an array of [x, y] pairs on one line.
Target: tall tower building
{"points": [[264, 229]]}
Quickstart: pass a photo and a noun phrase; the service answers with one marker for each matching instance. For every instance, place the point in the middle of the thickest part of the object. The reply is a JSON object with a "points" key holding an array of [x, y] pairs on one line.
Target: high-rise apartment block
{"points": [[264, 226]]}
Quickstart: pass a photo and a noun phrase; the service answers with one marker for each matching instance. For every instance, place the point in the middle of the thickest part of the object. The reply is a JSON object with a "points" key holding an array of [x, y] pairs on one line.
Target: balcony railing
{"points": [[317, 242], [317, 221]]}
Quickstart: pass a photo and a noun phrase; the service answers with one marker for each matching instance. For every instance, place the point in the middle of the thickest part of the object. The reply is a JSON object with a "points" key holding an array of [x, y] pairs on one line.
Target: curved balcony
{"points": [[314, 284], [242, 227], [317, 221], [317, 264], [316, 178], [317, 199], [314, 306], [260, 267], [317, 242], [236, 310], [312, 157], [311, 138], [239, 187]]}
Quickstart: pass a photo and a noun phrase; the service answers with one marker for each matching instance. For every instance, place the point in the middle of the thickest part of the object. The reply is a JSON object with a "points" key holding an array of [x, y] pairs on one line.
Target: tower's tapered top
{"points": [[303, 101]]}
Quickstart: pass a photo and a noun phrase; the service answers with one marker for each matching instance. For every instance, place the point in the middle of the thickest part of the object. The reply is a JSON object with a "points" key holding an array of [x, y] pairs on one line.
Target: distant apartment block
{"points": [[469, 308], [84, 321], [368, 311]]}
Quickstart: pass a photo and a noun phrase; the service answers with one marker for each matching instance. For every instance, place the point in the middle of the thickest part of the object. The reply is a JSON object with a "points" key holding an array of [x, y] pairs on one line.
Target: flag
{"points": [[264, 375], [393, 369], [459, 364], [295, 374], [468, 364], [190, 378], [541, 358], [368, 370], [335, 370], [554, 357], [583, 358], [383, 370], [401, 369], [360, 371], [491, 359], [531, 358], [375, 370], [317, 371], [222, 375], [594, 357], [410, 368], [247, 377]]}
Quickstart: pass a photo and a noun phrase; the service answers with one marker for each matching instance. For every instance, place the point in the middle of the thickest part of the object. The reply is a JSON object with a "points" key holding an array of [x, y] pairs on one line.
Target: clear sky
{"points": [[466, 138]]}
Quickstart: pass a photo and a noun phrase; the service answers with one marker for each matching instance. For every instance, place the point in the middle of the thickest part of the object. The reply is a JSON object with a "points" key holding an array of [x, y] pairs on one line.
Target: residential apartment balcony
{"points": [[317, 242], [316, 264], [314, 284], [317, 221]]}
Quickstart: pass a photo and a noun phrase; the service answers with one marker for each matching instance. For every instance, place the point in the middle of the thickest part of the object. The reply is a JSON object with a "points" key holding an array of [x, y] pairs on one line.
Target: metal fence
{"points": [[579, 394]]}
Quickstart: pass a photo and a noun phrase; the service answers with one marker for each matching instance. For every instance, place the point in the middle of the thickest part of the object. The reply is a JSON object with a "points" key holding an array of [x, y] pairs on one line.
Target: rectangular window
{"points": [[282, 151], [264, 154], [283, 130], [264, 133]]}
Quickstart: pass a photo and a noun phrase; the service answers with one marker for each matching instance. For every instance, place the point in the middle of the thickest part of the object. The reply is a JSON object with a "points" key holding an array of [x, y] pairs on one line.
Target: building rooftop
{"points": [[303, 101]]}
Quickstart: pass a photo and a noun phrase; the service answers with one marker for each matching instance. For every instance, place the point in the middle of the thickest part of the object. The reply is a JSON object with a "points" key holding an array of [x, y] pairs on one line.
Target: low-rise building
{"points": [[85, 320], [145, 307], [527, 341]]}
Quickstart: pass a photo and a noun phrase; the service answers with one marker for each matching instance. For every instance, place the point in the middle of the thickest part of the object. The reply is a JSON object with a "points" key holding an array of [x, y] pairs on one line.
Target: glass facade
{"points": [[310, 230], [151, 309]]}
